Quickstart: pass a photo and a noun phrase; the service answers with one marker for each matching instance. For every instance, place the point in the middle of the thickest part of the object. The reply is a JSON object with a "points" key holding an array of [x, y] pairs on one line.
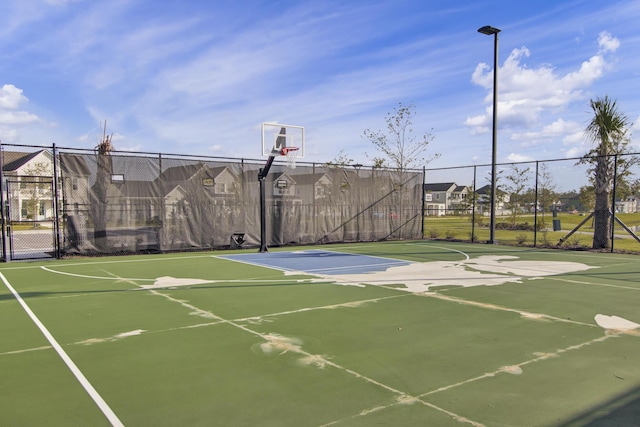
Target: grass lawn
{"points": [[460, 228]]}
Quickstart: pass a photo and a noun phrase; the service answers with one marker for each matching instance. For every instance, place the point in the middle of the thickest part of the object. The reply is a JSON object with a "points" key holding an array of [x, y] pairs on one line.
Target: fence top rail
{"points": [[177, 156], [530, 161], [54, 148]]}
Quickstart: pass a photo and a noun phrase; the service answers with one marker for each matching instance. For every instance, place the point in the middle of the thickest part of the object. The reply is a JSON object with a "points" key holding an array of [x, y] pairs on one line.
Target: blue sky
{"points": [[200, 76]]}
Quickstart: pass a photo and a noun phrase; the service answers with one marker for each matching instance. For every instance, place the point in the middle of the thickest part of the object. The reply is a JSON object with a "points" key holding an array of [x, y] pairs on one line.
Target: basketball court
{"points": [[404, 332], [393, 333]]}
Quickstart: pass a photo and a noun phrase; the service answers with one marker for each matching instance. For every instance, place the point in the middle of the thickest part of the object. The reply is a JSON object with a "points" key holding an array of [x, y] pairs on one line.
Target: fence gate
{"points": [[31, 230]]}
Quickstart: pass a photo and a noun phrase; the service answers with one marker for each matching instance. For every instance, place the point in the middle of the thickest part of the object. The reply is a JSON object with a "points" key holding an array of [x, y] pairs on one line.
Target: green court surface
{"points": [[397, 333]]}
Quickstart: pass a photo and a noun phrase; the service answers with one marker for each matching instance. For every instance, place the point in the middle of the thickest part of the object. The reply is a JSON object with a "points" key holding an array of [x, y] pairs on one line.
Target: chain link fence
{"points": [[539, 203], [149, 202]]}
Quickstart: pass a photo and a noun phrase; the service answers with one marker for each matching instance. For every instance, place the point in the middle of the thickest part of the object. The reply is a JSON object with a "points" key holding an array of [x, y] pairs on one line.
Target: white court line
{"points": [[495, 307], [538, 250], [545, 356], [322, 307], [151, 258], [133, 280], [84, 276], [104, 407], [466, 256], [606, 285]]}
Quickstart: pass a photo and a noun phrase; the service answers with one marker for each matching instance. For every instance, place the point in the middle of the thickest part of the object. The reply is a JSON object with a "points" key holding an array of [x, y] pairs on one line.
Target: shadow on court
{"points": [[623, 410], [48, 294]]}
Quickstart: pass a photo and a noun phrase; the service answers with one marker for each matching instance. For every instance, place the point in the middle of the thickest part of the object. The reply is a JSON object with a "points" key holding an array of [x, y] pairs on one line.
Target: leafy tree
{"points": [[341, 159], [501, 194], [626, 188], [608, 130], [379, 163], [587, 197], [399, 147], [465, 205], [516, 183], [546, 190]]}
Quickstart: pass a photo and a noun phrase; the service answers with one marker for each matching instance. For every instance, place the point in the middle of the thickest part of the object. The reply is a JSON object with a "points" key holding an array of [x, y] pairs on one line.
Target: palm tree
{"points": [[608, 131]]}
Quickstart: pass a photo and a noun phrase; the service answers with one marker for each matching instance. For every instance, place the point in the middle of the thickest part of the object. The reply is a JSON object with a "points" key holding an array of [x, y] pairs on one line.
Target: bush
{"points": [[521, 226], [451, 234], [545, 242], [434, 233], [521, 239]]}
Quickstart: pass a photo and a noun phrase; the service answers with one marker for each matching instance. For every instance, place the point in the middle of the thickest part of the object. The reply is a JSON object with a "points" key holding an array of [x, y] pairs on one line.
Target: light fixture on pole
{"points": [[489, 30]]}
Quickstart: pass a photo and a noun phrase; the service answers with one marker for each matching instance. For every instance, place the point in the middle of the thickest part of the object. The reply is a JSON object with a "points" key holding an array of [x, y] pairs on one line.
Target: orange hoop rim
{"points": [[286, 150]]}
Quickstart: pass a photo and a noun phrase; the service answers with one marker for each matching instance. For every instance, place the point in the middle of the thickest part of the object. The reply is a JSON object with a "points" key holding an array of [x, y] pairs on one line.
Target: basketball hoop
{"points": [[291, 153]]}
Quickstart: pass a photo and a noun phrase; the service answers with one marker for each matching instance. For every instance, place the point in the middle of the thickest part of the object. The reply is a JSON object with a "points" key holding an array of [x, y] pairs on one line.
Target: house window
{"points": [[282, 188], [221, 187], [117, 178], [283, 191]]}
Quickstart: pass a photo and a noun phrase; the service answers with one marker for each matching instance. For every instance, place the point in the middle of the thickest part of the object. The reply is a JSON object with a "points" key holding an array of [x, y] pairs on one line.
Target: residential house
{"points": [[28, 185], [284, 187], [445, 198], [483, 200], [629, 204]]}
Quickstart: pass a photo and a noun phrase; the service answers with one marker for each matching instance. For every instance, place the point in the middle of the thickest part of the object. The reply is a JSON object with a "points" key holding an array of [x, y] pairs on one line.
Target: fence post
{"points": [[535, 209], [474, 196], [314, 208], [424, 181], [3, 228], [56, 204], [613, 200], [162, 213]]}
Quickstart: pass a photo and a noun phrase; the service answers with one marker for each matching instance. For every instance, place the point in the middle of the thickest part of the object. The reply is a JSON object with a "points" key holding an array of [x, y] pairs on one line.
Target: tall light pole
{"points": [[489, 30]]}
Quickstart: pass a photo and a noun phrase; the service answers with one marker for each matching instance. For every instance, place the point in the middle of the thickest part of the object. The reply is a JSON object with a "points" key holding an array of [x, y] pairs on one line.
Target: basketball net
{"points": [[291, 153]]}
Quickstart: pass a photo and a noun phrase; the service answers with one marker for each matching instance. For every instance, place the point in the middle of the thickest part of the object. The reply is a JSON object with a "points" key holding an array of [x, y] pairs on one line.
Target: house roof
{"points": [[439, 186], [181, 173], [74, 164], [277, 177], [13, 160], [484, 190], [187, 172]]}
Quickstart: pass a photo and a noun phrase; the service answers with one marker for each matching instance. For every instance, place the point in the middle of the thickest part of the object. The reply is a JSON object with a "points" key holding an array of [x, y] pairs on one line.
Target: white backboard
{"points": [[276, 136]]}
